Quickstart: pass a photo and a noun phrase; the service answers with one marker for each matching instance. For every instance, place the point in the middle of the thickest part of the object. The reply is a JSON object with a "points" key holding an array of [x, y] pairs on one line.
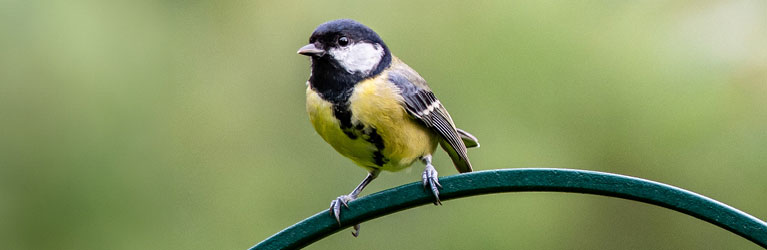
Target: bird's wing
{"points": [[421, 103]]}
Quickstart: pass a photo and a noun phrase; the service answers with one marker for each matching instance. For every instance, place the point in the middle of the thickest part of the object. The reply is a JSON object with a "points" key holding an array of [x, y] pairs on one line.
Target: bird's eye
{"points": [[343, 41]]}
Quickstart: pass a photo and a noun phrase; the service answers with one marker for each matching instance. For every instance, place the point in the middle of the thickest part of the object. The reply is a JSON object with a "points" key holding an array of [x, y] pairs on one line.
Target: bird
{"points": [[376, 110]]}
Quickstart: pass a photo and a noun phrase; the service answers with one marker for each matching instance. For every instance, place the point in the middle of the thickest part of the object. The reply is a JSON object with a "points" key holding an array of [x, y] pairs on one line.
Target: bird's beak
{"points": [[311, 50]]}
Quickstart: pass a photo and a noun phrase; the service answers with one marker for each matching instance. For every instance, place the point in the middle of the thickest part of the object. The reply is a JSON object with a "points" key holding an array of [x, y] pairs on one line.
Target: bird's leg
{"points": [[335, 205], [430, 180]]}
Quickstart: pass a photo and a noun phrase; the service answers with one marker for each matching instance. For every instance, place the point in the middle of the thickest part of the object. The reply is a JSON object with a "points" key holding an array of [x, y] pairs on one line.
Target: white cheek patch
{"points": [[359, 57]]}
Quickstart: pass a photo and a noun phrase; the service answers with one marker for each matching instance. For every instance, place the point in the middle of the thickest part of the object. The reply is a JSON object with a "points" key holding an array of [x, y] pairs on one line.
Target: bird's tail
{"points": [[461, 160], [469, 140]]}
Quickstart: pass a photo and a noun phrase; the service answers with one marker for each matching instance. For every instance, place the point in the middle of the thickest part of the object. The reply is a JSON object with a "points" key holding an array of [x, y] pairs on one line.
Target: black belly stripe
{"points": [[344, 115], [379, 159], [375, 138]]}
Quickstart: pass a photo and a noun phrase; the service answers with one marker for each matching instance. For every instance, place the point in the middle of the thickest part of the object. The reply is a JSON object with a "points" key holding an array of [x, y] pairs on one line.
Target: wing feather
{"points": [[421, 103]]}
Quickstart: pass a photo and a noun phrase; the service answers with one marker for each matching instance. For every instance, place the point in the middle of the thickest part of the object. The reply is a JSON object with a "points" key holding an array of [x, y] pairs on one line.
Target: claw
{"points": [[430, 181], [335, 210], [356, 231], [335, 206]]}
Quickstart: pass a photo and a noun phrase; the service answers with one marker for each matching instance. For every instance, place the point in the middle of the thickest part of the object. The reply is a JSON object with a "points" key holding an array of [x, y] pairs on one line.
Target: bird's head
{"points": [[347, 47]]}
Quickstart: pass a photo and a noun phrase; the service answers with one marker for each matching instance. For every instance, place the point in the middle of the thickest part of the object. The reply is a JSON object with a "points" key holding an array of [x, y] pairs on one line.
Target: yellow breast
{"points": [[375, 104]]}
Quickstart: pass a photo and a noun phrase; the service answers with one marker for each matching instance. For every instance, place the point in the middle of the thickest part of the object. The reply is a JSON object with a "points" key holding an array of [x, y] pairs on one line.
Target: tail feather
{"points": [[470, 140], [462, 164]]}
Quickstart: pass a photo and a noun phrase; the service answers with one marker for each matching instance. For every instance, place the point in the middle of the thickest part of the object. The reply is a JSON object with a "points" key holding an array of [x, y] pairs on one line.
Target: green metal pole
{"points": [[411, 195]]}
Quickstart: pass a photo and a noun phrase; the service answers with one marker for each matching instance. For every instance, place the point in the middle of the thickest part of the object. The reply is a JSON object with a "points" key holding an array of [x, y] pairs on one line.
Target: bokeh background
{"points": [[181, 124]]}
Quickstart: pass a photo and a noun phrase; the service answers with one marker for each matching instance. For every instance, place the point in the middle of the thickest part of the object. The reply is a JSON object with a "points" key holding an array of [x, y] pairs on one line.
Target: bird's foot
{"points": [[335, 210], [335, 206], [430, 181], [356, 231]]}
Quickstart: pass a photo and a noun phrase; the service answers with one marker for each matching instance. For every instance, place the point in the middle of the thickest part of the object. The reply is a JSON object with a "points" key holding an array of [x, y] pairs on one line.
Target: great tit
{"points": [[374, 109]]}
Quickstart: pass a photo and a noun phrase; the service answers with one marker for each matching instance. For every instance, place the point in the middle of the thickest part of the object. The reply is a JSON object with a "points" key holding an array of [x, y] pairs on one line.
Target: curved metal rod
{"points": [[411, 195]]}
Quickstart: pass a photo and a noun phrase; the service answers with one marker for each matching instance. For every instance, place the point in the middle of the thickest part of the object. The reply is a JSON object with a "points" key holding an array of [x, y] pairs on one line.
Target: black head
{"points": [[343, 53]]}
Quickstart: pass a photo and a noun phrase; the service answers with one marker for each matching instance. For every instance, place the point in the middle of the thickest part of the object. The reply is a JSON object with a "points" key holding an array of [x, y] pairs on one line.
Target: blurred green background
{"points": [[181, 124]]}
